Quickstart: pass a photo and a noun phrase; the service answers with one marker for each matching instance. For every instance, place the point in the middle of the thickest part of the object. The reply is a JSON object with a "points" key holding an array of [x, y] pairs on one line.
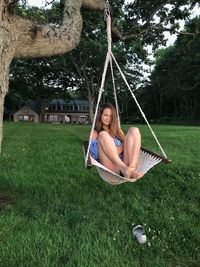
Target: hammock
{"points": [[147, 159]]}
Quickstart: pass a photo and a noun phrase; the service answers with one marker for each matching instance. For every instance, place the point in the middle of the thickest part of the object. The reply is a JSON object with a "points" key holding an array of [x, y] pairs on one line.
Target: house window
{"points": [[83, 108], [20, 118], [26, 118], [82, 119], [70, 108], [53, 118], [46, 118]]}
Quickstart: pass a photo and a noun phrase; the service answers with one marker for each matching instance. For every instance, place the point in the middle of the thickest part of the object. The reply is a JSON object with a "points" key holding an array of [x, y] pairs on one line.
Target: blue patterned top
{"points": [[117, 141], [94, 150]]}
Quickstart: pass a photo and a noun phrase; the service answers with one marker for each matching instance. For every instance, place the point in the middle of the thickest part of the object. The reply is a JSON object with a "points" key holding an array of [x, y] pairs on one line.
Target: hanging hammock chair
{"points": [[147, 159]]}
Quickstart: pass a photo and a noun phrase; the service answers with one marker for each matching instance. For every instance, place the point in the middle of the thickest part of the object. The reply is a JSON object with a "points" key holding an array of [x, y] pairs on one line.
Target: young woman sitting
{"points": [[112, 148]]}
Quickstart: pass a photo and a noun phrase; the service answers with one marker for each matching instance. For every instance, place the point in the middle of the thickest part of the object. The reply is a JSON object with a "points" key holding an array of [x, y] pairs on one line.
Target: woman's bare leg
{"points": [[132, 146], [108, 155]]}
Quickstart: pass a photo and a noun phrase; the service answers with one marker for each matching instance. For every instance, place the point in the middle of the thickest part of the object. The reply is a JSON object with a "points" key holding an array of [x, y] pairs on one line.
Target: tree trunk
{"points": [[186, 107], [155, 108], [2, 96], [175, 107], [6, 54], [194, 109], [91, 107], [160, 105]]}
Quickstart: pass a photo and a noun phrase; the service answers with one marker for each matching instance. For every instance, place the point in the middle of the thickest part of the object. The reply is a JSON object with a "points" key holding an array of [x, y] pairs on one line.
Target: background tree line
{"points": [[173, 91]]}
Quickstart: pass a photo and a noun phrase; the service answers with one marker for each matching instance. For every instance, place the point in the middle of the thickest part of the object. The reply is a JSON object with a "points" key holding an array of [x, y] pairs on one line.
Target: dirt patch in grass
{"points": [[6, 201]]}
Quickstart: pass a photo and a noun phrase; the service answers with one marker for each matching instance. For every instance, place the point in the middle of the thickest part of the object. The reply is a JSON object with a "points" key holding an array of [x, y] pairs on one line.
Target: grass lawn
{"points": [[54, 212]]}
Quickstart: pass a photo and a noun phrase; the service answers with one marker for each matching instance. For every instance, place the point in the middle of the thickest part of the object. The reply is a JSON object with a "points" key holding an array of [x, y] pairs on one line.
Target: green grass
{"points": [[62, 214]]}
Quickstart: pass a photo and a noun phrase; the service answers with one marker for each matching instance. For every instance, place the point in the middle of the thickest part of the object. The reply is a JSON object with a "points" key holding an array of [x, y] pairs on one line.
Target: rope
{"points": [[98, 101], [115, 93], [142, 113], [109, 39], [108, 57], [106, 9]]}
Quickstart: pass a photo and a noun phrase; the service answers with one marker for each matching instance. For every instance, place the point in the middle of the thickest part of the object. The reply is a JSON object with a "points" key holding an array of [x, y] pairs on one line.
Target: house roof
{"points": [[34, 105], [57, 102], [68, 102], [81, 102], [25, 107]]}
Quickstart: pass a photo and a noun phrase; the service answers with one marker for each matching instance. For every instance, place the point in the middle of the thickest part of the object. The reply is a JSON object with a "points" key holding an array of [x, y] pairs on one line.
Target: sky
{"points": [[38, 3]]}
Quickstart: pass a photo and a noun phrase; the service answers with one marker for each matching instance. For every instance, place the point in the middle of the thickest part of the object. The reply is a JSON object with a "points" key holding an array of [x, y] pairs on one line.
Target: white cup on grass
{"points": [[139, 233]]}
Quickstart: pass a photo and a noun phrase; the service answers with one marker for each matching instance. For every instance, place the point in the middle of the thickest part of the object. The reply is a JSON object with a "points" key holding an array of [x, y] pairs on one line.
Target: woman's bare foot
{"points": [[136, 175], [136, 166], [127, 172]]}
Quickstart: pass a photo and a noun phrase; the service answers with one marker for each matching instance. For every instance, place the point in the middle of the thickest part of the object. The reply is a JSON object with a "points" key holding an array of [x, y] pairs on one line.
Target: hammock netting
{"points": [[147, 160]]}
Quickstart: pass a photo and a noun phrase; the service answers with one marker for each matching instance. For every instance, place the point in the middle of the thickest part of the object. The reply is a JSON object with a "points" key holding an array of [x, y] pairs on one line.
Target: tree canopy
{"points": [[175, 81]]}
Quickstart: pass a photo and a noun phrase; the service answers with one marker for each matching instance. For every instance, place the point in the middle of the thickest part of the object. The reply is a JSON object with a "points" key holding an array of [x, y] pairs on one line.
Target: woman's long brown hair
{"points": [[115, 130]]}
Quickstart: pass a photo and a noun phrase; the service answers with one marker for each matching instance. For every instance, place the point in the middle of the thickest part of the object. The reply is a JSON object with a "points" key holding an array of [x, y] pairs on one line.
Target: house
{"points": [[55, 111], [26, 114], [68, 111]]}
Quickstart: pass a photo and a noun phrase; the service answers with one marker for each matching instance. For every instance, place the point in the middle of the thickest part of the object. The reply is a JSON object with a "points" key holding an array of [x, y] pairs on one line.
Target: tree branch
{"points": [[172, 30], [33, 40], [119, 36], [155, 10], [93, 4], [76, 67], [188, 88]]}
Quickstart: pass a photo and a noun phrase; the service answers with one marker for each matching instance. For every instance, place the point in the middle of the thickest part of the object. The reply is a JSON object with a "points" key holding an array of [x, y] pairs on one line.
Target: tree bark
{"points": [[160, 105], [93, 4], [34, 40], [6, 54], [175, 107], [2, 96], [186, 107], [194, 108], [91, 106]]}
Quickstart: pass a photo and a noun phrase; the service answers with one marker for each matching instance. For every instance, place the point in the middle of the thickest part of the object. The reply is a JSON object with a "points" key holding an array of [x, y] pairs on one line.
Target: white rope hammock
{"points": [[147, 159]]}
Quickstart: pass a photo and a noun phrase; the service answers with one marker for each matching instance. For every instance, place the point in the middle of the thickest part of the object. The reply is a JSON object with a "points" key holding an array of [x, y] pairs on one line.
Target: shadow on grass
{"points": [[6, 201]]}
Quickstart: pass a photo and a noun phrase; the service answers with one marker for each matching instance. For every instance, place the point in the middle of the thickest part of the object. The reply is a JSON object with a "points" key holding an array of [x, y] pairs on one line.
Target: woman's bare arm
{"points": [[94, 135]]}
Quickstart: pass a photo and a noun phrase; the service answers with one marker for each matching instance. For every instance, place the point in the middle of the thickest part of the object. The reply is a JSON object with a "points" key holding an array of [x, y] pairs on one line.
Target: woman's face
{"points": [[106, 117]]}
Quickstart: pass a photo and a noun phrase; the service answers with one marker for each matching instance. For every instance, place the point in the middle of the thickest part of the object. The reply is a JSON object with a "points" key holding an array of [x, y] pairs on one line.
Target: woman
{"points": [[112, 148]]}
